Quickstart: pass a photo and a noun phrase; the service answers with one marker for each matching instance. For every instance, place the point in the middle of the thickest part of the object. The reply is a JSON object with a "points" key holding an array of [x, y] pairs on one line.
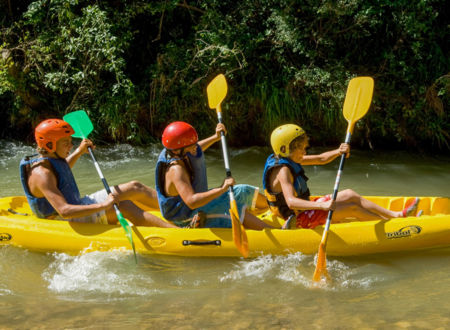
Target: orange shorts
{"points": [[312, 218]]}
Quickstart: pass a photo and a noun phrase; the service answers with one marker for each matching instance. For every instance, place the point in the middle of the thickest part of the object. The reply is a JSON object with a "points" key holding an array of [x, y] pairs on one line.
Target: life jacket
{"points": [[66, 184], [173, 207], [277, 202]]}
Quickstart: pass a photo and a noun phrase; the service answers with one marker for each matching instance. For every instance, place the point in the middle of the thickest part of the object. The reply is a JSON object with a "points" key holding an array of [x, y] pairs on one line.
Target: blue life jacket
{"points": [[277, 202], [66, 184], [173, 207]]}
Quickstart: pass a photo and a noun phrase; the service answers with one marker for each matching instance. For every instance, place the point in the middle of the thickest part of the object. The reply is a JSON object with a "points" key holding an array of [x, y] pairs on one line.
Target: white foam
{"points": [[5, 292], [267, 267], [298, 269], [97, 272]]}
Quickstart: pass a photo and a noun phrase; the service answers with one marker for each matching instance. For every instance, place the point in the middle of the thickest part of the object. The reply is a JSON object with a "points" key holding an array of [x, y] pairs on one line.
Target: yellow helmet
{"points": [[282, 136]]}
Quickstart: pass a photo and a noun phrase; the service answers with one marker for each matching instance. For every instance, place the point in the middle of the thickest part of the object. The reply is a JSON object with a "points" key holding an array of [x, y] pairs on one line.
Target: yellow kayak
{"points": [[18, 227]]}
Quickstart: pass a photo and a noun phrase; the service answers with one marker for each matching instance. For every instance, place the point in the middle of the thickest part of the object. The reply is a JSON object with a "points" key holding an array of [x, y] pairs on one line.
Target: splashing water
{"points": [[298, 268], [5, 292], [96, 272]]}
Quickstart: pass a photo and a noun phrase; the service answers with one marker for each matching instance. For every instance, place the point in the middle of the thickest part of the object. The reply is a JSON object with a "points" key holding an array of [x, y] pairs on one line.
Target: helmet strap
{"points": [[173, 154], [58, 156]]}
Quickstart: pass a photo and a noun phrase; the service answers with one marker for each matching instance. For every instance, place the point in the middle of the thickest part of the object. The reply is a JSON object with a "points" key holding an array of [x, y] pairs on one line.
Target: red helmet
{"points": [[48, 132], [178, 135]]}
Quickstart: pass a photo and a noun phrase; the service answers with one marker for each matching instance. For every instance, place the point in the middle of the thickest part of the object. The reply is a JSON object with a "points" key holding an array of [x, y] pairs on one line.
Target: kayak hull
{"points": [[432, 230]]}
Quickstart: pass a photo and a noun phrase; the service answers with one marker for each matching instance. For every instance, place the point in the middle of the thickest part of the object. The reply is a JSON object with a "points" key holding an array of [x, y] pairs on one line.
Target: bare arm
{"points": [[181, 185], [286, 181], [326, 157], [43, 183], [82, 149], [206, 143]]}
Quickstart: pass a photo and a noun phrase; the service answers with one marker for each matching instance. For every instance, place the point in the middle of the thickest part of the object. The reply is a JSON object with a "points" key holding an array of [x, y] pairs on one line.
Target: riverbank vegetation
{"points": [[136, 65]]}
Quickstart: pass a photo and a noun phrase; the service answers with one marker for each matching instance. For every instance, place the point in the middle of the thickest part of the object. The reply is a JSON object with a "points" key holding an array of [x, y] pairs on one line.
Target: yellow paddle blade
{"points": [[358, 99], [217, 90], [239, 235], [321, 266]]}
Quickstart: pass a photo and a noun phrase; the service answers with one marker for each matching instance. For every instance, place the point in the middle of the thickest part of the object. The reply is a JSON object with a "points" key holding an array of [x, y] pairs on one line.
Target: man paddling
{"points": [[182, 186], [287, 192], [52, 192]]}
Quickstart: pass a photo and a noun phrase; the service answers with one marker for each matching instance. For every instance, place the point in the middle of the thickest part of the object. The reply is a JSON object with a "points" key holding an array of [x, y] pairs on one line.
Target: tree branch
{"points": [[185, 5]]}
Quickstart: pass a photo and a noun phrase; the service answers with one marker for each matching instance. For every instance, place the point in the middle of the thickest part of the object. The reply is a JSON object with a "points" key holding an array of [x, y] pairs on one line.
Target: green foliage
{"points": [[71, 56], [136, 65]]}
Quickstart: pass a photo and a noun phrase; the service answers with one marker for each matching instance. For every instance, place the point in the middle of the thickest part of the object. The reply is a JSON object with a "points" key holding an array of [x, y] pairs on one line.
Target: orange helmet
{"points": [[48, 132], [178, 135]]}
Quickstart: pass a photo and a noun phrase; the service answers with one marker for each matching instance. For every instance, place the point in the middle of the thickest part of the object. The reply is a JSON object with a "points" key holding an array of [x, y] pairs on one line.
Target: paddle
{"points": [[217, 90], [82, 125], [356, 104]]}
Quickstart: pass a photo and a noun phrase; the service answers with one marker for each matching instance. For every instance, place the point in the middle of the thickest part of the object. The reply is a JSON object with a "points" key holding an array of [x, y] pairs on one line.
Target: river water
{"points": [[107, 290]]}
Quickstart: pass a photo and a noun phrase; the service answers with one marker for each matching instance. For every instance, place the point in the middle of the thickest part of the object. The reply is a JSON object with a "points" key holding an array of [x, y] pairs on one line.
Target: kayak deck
{"points": [[18, 227]]}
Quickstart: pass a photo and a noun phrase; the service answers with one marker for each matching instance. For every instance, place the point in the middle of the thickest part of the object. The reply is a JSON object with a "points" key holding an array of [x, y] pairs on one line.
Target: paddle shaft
{"points": [[102, 177], [356, 104], [80, 122], [321, 261], [217, 90], [336, 186], [225, 154]]}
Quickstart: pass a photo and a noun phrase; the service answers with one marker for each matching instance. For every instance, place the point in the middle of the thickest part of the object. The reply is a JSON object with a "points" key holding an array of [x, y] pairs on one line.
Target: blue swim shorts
{"points": [[218, 210]]}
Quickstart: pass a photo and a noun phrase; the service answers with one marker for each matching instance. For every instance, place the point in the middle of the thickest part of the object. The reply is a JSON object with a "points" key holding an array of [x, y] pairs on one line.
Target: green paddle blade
{"points": [[126, 227], [80, 122], [358, 98], [217, 90]]}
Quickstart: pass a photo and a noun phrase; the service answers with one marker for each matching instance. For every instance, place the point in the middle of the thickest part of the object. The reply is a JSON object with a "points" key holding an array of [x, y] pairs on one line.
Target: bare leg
{"points": [[344, 211], [252, 222], [359, 207], [136, 191], [137, 216]]}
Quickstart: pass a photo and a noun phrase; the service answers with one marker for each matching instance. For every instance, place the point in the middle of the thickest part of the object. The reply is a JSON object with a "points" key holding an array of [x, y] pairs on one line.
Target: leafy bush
{"points": [[136, 65]]}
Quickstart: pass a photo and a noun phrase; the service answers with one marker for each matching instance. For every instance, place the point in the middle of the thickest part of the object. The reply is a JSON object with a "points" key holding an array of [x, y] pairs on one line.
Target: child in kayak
{"points": [[182, 186], [287, 192], [52, 192]]}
